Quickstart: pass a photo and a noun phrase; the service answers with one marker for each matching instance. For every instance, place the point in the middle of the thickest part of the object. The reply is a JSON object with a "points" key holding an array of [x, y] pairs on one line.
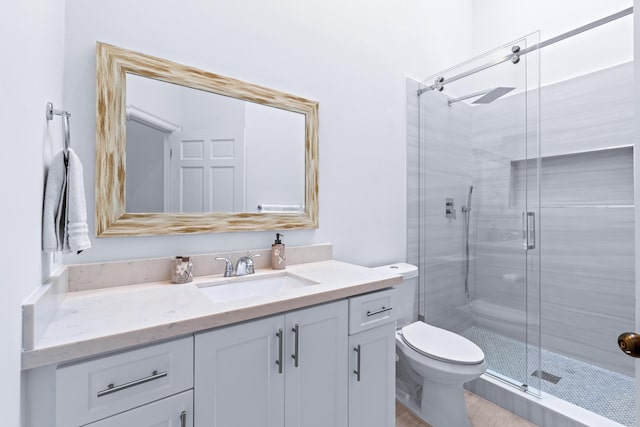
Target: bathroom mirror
{"points": [[182, 150]]}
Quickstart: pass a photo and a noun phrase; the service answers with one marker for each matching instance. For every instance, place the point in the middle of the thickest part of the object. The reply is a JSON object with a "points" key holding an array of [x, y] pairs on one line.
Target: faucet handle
{"points": [[228, 270], [250, 267]]}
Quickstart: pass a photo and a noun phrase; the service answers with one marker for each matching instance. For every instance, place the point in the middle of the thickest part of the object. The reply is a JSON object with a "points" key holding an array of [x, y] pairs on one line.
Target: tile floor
{"points": [[482, 413], [599, 390]]}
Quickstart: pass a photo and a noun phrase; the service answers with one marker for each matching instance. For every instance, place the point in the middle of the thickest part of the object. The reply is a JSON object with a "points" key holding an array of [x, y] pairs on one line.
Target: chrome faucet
{"points": [[228, 270], [245, 266]]}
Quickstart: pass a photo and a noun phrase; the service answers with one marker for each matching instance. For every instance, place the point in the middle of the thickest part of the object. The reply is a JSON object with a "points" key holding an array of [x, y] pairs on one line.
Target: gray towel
{"points": [[53, 224], [64, 220]]}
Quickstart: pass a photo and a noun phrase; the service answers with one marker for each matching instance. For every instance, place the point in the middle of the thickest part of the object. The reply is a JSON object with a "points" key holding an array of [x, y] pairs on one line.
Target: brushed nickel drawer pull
{"points": [[183, 419], [112, 389], [357, 370], [296, 347], [280, 349], [382, 310]]}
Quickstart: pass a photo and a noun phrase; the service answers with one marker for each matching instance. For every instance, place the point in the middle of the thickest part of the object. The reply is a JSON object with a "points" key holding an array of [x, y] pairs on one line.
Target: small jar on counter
{"points": [[181, 269]]}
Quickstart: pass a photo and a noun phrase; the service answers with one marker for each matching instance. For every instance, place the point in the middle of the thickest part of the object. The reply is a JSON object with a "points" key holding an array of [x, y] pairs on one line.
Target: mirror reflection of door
{"points": [[208, 172]]}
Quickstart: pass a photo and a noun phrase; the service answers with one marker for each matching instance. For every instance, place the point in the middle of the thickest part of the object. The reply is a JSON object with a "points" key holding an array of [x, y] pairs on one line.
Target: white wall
{"points": [[350, 56], [497, 22], [156, 97], [32, 68], [274, 156]]}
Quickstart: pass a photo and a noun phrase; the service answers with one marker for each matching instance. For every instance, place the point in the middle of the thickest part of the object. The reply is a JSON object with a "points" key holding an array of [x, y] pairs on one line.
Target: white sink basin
{"points": [[253, 287]]}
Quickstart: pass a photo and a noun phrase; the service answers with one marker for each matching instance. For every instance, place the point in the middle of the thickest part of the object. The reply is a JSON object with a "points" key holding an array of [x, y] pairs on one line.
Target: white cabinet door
{"points": [[174, 411], [237, 382], [248, 375], [372, 377], [316, 389]]}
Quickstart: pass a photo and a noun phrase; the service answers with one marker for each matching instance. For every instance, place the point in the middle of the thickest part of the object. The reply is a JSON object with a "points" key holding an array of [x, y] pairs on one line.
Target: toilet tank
{"points": [[407, 309]]}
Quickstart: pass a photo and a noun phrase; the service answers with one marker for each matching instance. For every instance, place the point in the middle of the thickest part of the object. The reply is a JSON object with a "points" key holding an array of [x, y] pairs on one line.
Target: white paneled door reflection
{"points": [[207, 172]]}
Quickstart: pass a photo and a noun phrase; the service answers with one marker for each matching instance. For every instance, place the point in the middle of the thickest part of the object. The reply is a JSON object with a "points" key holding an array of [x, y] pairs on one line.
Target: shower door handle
{"points": [[528, 230]]}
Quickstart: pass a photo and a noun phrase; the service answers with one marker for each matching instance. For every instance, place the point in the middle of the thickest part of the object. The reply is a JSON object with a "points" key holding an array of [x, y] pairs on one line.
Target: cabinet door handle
{"points": [[112, 389], [183, 419], [382, 310], [357, 370], [295, 355], [279, 361]]}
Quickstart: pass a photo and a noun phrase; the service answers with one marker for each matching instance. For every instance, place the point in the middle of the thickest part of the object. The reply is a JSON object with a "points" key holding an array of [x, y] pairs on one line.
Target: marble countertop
{"points": [[92, 322]]}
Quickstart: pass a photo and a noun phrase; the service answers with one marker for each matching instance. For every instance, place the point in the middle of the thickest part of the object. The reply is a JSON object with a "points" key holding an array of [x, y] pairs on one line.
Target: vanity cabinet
{"points": [[148, 386], [286, 370], [372, 360], [326, 365]]}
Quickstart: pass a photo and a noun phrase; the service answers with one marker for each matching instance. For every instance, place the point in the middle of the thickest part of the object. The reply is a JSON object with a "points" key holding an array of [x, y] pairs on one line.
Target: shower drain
{"points": [[546, 376]]}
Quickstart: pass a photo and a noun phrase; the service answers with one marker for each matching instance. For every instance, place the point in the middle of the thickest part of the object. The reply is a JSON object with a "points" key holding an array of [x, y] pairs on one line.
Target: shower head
{"points": [[486, 96], [493, 94]]}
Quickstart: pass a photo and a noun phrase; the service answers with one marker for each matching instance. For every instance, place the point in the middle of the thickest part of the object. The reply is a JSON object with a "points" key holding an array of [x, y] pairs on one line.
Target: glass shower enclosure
{"points": [[478, 217], [521, 218]]}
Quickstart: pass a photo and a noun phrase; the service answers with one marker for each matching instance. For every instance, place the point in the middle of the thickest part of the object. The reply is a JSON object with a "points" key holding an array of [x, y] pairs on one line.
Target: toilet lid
{"points": [[441, 344]]}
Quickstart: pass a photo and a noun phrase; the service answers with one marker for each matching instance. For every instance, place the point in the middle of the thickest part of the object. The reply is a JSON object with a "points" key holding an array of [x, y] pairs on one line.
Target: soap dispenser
{"points": [[278, 260]]}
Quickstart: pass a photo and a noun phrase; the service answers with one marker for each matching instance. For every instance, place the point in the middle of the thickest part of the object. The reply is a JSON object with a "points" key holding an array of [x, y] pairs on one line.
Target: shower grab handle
{"points": [[528, 230]]}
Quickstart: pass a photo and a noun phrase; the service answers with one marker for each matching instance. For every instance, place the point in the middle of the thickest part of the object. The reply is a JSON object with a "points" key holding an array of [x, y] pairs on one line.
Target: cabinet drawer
{"points": [[174, 411], [371, 310], [95, 389]]}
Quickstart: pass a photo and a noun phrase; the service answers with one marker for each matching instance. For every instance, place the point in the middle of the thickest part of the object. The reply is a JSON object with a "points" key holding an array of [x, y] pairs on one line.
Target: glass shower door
{"points": [[479, 208]]}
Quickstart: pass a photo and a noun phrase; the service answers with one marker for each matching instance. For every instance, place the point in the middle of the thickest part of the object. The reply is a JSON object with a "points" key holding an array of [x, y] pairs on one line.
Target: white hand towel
{"points": [[77, 230], [64, 219], [53, 224]]}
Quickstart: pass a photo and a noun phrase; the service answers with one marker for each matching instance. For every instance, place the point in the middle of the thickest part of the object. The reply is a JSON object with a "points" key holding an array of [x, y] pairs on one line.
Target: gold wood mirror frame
{"points": [[112, 64]]}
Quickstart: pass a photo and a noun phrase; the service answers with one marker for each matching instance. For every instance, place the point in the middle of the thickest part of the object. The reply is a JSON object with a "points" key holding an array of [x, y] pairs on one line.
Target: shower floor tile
{"points": [[604, 392]]}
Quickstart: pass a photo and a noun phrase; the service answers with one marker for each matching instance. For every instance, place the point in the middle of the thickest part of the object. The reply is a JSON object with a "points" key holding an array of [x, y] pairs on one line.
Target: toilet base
{"points": [[443, 405], [433, 388]]}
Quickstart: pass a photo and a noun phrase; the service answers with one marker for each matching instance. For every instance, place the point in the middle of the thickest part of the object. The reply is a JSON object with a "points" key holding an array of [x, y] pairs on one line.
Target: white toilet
{"points": [[432, 363]]}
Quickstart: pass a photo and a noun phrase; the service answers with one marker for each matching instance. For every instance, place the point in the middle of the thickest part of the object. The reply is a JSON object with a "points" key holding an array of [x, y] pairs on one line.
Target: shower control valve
{"points": [[450, 210]]}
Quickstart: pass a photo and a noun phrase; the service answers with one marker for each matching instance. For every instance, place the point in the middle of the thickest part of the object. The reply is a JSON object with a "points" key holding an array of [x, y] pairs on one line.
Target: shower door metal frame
{"points": [[516, 53]]}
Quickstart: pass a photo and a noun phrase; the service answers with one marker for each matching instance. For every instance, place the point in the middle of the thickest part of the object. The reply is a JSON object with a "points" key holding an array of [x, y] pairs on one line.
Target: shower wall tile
{"points": [[413, 179], [589, 112], [585, 248], [601, 177], [413, 170], [446, 172], [588, 283]]}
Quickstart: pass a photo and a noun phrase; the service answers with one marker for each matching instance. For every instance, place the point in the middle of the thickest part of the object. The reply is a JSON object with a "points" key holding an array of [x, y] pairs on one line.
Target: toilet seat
{"points": [[441, 344]]}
